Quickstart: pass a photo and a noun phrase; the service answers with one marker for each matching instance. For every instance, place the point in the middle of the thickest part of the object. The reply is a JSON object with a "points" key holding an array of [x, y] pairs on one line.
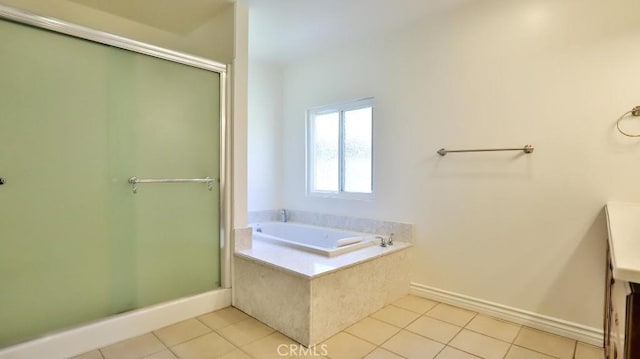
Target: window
{"points": [[339, 149]]}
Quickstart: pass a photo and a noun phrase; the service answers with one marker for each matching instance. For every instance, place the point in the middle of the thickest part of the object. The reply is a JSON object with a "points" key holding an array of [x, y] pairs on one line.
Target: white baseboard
{"points": [[561, 327], [114, 329]]}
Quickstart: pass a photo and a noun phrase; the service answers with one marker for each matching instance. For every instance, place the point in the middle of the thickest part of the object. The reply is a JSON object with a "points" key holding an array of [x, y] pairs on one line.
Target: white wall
{"points": [[265, 136], [527, 231]]}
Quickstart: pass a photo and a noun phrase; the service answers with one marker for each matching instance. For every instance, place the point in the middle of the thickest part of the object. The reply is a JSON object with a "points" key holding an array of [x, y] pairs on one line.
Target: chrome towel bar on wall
{"points": [[525, 149], [135, 180]]}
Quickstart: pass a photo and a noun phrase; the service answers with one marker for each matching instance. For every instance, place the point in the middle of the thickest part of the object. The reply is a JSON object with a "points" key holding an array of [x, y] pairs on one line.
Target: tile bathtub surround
{"points": [[277, 298], [402, 232], [242, 239], [312, 265], [305, 308], [369, 338], [271, 215], [341, 298]]}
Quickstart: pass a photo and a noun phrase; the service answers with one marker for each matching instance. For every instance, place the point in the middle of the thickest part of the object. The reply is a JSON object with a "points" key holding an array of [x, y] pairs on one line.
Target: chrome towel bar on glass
{"points": [[525, 149], [135, 180]]}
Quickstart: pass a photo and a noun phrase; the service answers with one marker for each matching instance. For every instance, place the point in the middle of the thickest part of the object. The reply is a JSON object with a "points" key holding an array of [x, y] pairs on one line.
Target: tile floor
{"points": [[412, 327]]}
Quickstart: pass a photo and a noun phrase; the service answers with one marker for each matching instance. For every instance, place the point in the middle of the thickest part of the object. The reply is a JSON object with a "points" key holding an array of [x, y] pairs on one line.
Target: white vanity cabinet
{"points": [[615, 319], [622, 291]]}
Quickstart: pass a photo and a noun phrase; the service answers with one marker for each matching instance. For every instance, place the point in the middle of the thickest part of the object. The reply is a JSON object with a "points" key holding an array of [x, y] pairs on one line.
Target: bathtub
{"points": [[300, 280], [320, 240]]}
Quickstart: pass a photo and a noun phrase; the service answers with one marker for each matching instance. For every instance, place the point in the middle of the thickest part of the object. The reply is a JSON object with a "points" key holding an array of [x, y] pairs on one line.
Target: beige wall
{"points": [[239, 126], [213, 40], [527, 231]]}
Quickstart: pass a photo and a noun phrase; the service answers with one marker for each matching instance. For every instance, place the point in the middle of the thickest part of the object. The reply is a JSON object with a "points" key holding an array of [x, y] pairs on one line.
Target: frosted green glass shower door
{"points": [[77, 120], [165, 125]]}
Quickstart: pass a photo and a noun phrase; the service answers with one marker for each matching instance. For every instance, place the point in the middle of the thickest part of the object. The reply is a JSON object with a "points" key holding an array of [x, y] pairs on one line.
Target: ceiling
{"points": [[285, 30], [179, 17]]}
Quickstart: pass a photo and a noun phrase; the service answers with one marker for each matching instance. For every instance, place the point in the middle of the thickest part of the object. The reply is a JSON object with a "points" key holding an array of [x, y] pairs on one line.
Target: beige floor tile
{"points": [[317, 354], [373, 330], [452, 353], [273, 346], [134, 348], [480, 345], [236, 354], [415, 304], [222, 318], [346, 346], [411, 346], [395, 316], [494, 328], [546, 343], [516, 352], [245, 332], [586, 351], [450, 314], [434, 329], [165, 354], [382, 354], [210, 345], [181, 332], [94, 354]]}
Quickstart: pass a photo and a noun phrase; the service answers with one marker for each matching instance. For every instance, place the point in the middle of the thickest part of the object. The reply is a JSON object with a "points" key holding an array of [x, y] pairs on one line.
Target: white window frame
{"points": [[340, 108]]}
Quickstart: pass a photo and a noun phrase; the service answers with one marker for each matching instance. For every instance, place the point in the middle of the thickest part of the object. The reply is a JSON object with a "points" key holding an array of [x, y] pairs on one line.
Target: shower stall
{"points": [[81, 113]]}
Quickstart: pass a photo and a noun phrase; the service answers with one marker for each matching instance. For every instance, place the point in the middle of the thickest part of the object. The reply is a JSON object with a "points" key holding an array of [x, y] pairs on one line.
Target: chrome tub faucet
{"points": [[388, 242]]}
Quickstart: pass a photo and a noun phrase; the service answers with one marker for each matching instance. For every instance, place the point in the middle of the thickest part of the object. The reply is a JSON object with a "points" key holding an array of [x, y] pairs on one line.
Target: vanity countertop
{"points": [[623, 221]]}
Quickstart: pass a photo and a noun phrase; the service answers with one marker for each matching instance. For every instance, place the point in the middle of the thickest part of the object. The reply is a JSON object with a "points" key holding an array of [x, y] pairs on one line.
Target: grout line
{"points": [[508, 350], [466, 352], [472, 318], [441, 350], [436, 340], [369, 341], [375, 346], [535, 351], [388, 339], [189, 340], [370, 351], [489, 336], [174, 353], [243, 351], [228, 325], [203, 323], [161, 342], [482, 334], [517, 334], [391, 351], [252, 341]]}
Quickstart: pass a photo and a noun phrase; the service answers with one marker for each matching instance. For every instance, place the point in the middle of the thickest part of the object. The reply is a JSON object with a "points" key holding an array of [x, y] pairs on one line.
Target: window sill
{"points": [[342, 195]]}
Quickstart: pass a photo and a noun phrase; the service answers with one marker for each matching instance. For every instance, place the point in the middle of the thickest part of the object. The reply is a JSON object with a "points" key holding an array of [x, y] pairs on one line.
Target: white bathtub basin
{"points": [[320, 240]]}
